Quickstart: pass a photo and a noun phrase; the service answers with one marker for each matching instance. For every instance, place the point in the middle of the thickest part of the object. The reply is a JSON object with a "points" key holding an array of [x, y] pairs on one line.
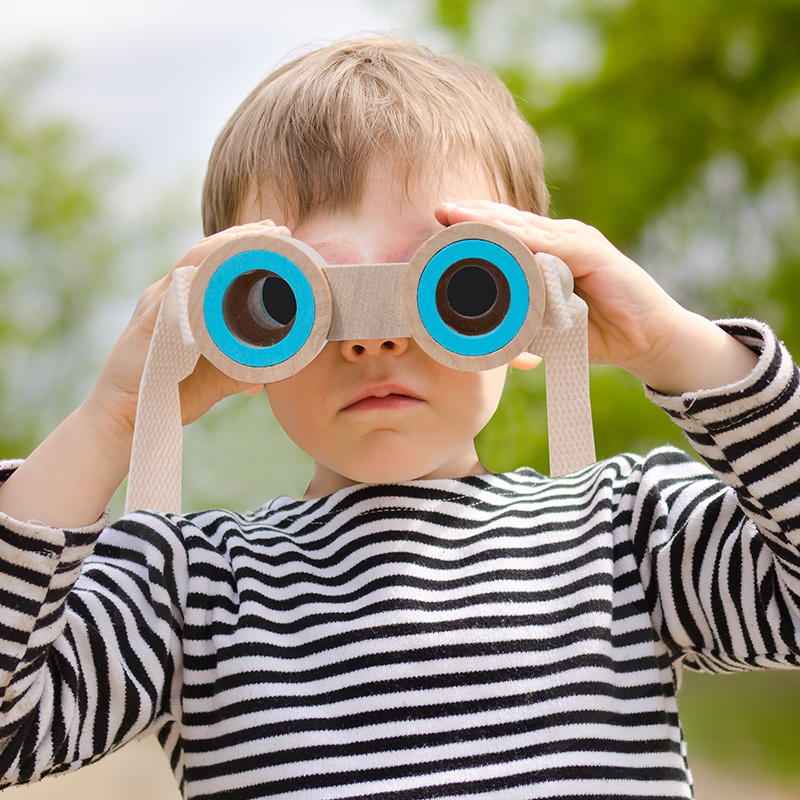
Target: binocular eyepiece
{"points": [[262, 306]]}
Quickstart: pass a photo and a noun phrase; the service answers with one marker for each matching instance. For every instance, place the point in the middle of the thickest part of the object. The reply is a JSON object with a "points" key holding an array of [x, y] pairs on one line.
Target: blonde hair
{"points": [[307, 135]]}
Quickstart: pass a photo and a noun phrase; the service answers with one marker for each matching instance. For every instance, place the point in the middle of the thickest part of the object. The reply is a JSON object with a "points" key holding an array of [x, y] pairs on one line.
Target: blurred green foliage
{"points": [[745, 721], [56, 244], [673, 126], [73, 258], [680, 83]]}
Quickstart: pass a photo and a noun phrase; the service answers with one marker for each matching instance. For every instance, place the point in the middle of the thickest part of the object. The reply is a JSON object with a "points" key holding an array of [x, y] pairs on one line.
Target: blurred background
{"points": [[671, 125]]}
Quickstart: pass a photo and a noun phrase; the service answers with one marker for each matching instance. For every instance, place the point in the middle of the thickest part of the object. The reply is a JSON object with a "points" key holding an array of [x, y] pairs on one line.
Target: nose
{"points": [[357, 349]]}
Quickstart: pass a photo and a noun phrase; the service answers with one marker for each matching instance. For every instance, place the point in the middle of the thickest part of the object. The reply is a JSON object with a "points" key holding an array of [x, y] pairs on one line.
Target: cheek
{"points": [[292, 404], [475, 396], [492, 383], [297, 402]]}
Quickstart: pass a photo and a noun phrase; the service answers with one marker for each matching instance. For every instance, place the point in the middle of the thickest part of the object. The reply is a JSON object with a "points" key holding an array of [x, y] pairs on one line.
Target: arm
{"points": [[67, 647], [91, 649], [70, 478], [724, 567], [720, 566]]}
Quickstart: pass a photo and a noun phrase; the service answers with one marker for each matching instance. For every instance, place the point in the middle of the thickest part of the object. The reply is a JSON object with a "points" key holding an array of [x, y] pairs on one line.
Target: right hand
{"points": [[115, 395], [70, 478]]}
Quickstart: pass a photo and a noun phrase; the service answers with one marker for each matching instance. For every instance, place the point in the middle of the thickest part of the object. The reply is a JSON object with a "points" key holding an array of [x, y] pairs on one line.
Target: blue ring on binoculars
{"points": [[218, 329], [441, 332]]}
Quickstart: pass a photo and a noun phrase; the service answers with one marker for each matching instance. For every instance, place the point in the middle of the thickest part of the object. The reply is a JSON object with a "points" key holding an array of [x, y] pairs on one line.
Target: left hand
{"points": [[633, 323]]}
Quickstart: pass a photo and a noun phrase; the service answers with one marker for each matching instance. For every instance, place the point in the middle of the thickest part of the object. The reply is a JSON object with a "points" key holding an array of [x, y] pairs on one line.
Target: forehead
{"points": [[386, 183], [391, 219]]}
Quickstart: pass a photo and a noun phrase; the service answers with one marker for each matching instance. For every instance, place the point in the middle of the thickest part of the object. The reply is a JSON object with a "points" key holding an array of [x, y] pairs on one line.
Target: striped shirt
{"points": [[499, 636]]}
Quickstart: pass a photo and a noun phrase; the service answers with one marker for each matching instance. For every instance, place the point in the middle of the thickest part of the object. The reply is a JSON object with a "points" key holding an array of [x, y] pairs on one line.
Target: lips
{"points": [[383, 397]]}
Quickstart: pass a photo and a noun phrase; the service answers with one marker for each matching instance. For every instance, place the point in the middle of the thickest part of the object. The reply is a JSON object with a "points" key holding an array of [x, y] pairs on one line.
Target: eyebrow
{"points": [[334, 251]]}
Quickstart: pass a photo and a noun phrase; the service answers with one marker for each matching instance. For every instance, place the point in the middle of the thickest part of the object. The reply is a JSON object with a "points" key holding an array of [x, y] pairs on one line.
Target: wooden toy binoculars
{"points": [[261, 306]]}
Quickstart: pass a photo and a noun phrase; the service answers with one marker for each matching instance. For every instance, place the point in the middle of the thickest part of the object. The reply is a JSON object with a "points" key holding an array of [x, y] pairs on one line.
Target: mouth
{"points": [[384, 397]]}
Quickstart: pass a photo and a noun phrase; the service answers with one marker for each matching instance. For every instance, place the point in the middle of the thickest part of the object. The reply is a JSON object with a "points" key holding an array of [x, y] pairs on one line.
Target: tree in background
{"points": [[73, 259], [55, 252], [673, 126]]}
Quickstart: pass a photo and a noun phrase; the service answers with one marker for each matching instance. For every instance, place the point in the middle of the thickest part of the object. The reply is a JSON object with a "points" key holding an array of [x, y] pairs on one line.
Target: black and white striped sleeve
{"points": [[81, 671], [729, 586]]}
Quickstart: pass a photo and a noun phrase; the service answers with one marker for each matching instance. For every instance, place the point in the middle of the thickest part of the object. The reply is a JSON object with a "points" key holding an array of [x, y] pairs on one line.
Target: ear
{"points": [[525, 361]]}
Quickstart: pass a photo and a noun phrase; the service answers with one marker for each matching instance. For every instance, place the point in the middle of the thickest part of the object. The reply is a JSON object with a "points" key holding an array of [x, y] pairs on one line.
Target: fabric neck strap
{"points": [[559, 337]]}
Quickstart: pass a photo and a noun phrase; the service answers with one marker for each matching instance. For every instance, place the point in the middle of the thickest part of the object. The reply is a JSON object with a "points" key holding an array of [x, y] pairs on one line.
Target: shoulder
{"points": [[667, 462]]}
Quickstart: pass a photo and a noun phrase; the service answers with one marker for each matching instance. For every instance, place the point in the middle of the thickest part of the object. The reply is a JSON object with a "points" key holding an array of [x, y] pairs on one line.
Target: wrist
{"points": [[108, 434], [695, 355], [68, 481], [109, 415]]}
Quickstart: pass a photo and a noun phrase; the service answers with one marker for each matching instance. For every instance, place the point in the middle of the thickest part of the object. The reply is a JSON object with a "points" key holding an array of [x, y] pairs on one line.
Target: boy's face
{"points": [[381, 410]]}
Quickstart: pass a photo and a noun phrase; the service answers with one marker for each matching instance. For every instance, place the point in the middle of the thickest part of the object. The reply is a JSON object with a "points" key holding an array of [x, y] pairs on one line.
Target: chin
{"points": [[386, 475], [400, 469]]}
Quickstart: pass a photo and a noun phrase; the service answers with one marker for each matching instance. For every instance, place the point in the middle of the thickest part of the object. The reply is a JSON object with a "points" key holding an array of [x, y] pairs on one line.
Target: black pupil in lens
{"points": [[278, 299], [473, 296], [259, 308], [471, 291]]}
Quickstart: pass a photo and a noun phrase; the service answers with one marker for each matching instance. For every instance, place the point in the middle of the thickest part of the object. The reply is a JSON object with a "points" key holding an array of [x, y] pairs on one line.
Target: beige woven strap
{"points": [[569, 413], [154, 480], [155, 475], [562, 342]]}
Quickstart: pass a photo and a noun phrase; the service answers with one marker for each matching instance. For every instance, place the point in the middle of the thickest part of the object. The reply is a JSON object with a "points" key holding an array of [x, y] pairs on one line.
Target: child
{"points": [[412, 627]]}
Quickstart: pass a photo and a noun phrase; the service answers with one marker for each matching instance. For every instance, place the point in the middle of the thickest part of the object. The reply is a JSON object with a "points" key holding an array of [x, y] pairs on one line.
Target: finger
{"points": [[490, 211], [500, 213], [210, 243], [149, 302], [574, 242]]}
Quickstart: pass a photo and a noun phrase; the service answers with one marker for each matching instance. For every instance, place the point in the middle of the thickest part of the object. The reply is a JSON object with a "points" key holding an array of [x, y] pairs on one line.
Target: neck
{"points": [[326, 481]]}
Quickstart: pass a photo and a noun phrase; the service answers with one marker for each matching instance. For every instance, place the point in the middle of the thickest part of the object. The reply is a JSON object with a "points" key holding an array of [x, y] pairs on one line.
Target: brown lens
{"points": [[473, 297], [259, 308]]}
